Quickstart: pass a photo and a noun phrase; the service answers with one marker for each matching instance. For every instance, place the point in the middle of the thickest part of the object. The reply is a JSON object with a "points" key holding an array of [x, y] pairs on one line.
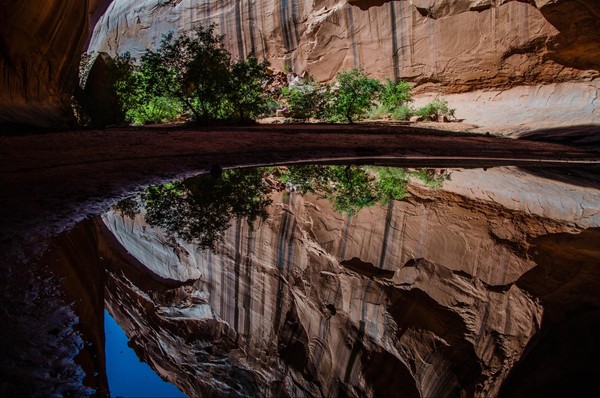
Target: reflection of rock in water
{"points": [[440, 295]]}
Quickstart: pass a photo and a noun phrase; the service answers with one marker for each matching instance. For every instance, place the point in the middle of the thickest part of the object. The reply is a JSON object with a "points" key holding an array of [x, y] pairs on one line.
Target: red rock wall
{"points": [[448, 46], [456, 45]]}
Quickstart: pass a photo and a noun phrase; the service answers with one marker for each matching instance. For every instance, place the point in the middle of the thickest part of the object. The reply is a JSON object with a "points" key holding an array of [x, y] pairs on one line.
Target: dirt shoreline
{"points": [[52, 180]]}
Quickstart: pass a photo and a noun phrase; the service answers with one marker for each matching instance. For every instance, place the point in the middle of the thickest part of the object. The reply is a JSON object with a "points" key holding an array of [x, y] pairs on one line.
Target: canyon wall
{"points": [[449, 46], [442, 46], [440, 294]]}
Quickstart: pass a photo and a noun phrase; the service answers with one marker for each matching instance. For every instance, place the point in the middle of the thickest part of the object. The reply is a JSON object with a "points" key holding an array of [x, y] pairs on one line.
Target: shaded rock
{"points": [[98, 98], [40, 47], [415, 119], [566, 280], [365, 268]]}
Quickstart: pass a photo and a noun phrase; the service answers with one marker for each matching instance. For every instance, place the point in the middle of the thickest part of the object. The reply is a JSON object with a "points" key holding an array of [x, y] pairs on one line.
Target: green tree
{"points": [[391, 183], [194, 72], [139, 95], [352, 188], [246, 91], [128, 83], [193, 68], [352, 96]]}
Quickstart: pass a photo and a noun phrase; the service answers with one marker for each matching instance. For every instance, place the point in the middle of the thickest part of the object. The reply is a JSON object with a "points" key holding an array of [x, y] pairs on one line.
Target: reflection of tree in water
{"points": [[200, 209], [351, 188]]}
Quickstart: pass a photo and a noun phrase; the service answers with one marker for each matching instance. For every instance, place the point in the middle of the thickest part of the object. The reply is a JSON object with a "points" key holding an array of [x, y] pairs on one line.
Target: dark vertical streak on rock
{"points": [[222, 25], [358, 343], [345, 237], [352, 35], [400, 32], [402, 235], [249, 283], [295, 22], [237, 264], [251, 25], [358, 346], [289, 27], [386, 233], [209, 261], [394, 40], [280, 262], [283, 11], [223, 292], [238, 29], [207, 12]]}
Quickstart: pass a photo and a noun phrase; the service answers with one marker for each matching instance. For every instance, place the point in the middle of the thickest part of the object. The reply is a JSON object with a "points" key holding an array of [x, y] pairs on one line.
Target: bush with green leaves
{"points": [[436, 108], [403, 113], [305, 100], [394, 95], [193, 68], [352, 96], [156, 110]]}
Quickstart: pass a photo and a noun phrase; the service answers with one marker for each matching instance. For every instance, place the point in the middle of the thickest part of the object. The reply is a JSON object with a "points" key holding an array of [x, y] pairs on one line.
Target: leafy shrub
{"points": [[402, 113], [156, 110], [435, 109], [378, 112], [305, 100], [352, 96], [130, 84], [271, 107], [394, 95]]}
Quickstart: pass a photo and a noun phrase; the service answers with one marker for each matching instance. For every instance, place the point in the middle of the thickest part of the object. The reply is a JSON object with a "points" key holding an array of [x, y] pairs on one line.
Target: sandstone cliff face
{"points": [[40, 46], [446, 46], [452, 46], [435, 295]]}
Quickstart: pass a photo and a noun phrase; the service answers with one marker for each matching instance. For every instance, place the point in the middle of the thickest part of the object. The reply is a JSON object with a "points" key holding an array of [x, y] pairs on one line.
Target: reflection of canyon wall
{"points": [[457, 45], [436, 295]]}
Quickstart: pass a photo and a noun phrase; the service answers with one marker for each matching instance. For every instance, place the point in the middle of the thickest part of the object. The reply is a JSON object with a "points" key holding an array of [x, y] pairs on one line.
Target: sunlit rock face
{"points": [[452, 46], [40, 45], [448, 46], [435, 295]]}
